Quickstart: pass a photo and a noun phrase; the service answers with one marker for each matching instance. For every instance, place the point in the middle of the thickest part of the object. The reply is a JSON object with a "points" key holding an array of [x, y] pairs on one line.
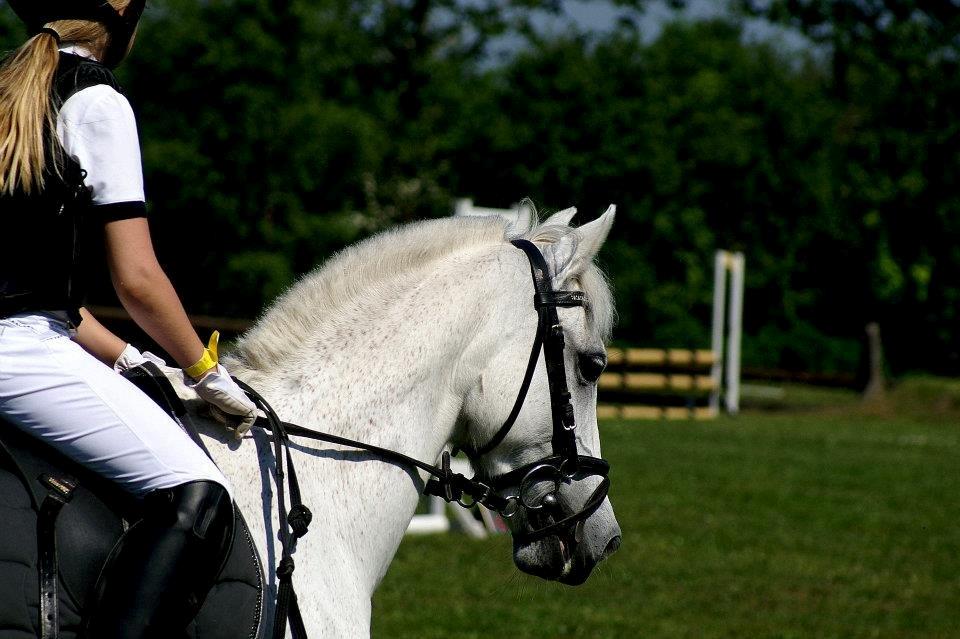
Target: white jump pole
{"points": [[434, 522], [716, 338], [520, 216], [463, 207], [725, 373], [735, 326]]}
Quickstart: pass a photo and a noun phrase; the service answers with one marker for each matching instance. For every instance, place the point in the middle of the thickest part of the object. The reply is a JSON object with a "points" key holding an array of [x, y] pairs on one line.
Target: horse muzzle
{"points": [[568, 557], [558, 535]]}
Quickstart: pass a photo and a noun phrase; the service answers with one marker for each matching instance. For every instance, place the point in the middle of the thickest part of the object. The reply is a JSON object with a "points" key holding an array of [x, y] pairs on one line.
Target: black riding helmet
{"points": [[37, 13]]}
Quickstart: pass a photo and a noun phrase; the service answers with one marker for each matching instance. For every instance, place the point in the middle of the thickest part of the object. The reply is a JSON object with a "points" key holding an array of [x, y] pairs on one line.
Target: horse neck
{"points": [[393, 369], [392, 372]]}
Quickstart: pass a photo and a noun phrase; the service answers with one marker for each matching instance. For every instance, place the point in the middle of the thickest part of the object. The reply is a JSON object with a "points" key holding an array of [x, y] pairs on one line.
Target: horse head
{"points": [[544, 485], [413, 338]]}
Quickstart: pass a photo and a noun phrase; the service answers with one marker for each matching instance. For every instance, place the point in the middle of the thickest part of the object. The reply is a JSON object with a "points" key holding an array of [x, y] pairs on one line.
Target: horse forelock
{"points": [[319, 295]]}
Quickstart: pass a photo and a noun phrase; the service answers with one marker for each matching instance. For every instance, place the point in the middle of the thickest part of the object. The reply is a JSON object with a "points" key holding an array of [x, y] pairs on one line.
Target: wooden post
{"points": [[876, 389]]}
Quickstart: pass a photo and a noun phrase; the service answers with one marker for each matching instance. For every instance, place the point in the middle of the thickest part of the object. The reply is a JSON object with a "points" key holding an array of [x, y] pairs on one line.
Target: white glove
{"points": [[131, 358], [231, 404]]}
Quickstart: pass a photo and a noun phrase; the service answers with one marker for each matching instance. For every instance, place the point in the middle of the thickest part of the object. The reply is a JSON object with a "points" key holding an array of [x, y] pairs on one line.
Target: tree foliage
{"points": [[896, 170], [277, 132]]}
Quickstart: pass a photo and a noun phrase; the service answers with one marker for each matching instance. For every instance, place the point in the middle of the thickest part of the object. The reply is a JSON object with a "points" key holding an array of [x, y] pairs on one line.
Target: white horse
{"points": [[412, 339]]}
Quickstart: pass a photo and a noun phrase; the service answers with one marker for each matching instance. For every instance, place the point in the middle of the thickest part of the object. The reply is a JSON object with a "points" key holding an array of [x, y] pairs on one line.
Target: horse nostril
{"points": [[612, 546]]}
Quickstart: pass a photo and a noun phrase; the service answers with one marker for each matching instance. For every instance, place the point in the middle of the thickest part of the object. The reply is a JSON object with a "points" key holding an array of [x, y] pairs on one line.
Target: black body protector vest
{"points": [[45, 234]]}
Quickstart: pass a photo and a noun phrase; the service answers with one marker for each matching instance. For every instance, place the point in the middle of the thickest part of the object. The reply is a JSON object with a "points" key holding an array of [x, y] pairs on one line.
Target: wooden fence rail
{"points": [[649, 383]]}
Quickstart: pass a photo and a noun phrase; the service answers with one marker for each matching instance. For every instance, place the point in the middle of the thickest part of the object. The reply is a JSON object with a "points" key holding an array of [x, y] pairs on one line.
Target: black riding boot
{"points": [[158, 575]]}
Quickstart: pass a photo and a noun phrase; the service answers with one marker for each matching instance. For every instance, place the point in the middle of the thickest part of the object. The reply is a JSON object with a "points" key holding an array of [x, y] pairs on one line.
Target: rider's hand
{"points": [[131, 357], [231, 404]]}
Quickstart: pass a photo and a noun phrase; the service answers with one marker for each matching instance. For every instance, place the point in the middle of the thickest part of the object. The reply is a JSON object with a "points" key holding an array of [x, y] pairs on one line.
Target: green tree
{"points": [[276, 132], [896, 160], [300, 126], [704, 142]]}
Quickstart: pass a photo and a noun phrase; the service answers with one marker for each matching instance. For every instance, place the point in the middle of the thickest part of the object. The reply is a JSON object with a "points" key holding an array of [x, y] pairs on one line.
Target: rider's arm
{"points": [[98, 340], [98, 128], [102, 135], [146, 292]]}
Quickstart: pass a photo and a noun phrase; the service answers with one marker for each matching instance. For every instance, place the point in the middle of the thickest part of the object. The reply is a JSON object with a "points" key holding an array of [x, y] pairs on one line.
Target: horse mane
{"points": [[279, 332]]}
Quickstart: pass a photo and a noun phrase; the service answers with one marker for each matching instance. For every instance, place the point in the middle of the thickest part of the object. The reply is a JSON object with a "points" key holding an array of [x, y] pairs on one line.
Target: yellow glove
{"points": [[209, 360], [214, 384]]}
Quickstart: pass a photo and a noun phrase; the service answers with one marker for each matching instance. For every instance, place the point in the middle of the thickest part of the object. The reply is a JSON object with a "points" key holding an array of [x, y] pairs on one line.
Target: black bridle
{"points": [[544, 506], [565, 464]]}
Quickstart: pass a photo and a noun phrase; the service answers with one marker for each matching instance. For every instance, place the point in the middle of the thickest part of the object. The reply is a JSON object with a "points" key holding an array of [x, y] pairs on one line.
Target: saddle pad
{"points": [[87, 529]]}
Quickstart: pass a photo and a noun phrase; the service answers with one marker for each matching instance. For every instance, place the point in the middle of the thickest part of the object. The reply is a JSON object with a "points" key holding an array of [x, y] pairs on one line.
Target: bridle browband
{"points": [[563, 466]]}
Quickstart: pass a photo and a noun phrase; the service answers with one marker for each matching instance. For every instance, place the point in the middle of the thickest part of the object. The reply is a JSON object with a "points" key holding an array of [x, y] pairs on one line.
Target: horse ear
{"points": [[574, 252], [561, 218], [521, 221]]}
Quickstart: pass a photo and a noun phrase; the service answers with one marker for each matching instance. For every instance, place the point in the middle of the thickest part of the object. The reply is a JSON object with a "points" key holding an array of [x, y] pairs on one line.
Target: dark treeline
{"points": [[276, 132]]}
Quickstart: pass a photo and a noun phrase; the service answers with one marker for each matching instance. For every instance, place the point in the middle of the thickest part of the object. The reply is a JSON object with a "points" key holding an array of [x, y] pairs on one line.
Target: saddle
{"points": [[60, 522]]}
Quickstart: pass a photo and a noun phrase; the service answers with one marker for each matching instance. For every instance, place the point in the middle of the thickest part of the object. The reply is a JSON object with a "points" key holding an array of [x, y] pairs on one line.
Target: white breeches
{"points": [[54, 390]]}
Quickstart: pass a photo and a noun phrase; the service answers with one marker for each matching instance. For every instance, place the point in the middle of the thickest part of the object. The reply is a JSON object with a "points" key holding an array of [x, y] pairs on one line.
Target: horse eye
{"points": [[591, 365]]}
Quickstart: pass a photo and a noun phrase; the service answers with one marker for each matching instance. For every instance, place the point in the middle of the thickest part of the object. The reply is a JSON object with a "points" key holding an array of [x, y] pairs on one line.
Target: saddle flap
{"points": [[87, 529]]}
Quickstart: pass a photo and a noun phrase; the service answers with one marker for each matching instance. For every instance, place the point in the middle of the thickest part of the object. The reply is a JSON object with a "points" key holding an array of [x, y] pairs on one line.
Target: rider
{"points": [[70, 163]]}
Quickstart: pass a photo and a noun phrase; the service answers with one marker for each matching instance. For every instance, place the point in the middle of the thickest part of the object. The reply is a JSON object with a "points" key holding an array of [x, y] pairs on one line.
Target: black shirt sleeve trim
{"points": [[120, 211]]}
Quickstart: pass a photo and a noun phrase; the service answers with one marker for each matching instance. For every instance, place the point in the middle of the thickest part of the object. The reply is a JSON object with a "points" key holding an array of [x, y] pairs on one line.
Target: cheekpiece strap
{"points": [[563, 299]]}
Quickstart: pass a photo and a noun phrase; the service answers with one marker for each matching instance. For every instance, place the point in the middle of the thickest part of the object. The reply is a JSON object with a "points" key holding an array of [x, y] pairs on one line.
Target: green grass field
{"points": [[810, 521]]}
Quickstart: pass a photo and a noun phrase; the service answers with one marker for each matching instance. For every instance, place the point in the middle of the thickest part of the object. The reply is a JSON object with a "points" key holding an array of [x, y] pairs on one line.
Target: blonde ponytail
{"points": [[26, 113]]}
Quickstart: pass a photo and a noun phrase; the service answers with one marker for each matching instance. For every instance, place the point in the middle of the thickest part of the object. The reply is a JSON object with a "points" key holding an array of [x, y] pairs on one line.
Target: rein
{"points": [[296, 523], [557, 469]]}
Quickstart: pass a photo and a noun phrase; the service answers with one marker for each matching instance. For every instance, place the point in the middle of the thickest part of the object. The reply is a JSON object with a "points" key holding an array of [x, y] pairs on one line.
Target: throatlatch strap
{"points": [[521, 396], [61, 490]]}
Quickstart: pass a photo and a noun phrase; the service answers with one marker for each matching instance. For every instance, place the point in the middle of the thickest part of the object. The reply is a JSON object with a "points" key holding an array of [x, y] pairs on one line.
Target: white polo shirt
{"points": [[97, 128]]}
